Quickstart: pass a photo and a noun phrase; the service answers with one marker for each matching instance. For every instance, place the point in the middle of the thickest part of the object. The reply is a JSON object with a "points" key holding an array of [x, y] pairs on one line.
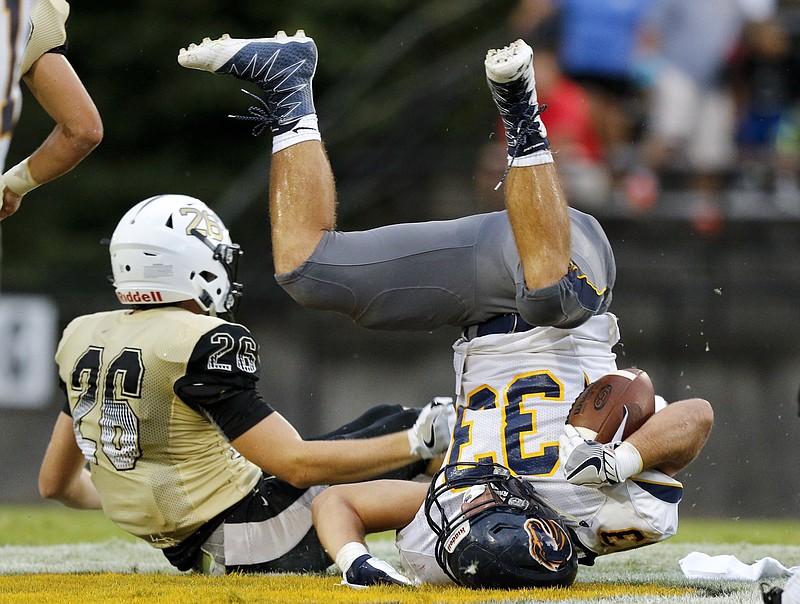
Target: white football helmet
{"points": [[171, 248]]}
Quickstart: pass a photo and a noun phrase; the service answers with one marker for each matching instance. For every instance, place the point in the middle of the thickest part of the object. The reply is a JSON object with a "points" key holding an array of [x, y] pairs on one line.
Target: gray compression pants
{"points": [[420, 276]]}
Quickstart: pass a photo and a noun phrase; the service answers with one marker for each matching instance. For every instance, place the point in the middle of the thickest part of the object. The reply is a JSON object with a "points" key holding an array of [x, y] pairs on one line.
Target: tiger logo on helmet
{"points": [[549, 544]]}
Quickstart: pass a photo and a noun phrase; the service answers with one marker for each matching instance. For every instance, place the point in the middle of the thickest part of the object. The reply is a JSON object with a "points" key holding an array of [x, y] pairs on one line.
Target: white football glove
{"points": [[587, 462], [430, 434]]}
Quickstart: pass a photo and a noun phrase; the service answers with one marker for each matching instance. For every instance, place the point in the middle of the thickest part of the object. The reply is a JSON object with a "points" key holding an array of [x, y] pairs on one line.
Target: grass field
{"points": [[52, 554]]}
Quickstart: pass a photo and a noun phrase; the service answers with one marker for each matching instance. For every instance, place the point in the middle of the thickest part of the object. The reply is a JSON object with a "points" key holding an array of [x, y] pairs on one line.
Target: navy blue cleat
{"points": [[367, 571], [282, 67], [509, 73]]}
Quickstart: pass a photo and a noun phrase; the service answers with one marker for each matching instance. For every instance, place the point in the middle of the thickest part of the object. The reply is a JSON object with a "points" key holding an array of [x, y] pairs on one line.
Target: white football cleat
{"points": [[511, 63], [509, 73], [212, 55], [282, 67]]}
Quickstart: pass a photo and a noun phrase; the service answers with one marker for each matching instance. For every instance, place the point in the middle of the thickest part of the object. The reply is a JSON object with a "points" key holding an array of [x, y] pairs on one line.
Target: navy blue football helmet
{"points": [[503, 534]]}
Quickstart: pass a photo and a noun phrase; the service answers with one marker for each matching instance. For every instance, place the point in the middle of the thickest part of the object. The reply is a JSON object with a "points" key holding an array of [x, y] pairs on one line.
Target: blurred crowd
{"points": [[657, 102]]}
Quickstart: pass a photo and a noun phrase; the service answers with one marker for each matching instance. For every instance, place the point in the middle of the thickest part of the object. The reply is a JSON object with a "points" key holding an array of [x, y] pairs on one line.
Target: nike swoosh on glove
{"points": [[587, 462], [430, 434]]}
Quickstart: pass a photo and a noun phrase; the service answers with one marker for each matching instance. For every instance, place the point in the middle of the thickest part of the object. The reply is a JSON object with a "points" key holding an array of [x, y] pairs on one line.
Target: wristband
{"points": [[19, 180]]}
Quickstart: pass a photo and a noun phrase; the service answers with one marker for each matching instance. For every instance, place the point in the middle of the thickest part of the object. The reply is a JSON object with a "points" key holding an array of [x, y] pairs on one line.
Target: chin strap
{"points": [[208, 303]]}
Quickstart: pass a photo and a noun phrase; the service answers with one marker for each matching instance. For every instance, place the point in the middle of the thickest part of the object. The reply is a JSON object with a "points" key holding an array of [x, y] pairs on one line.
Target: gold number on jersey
{"points": [[203, 222], [631, 536], [118, 425]]}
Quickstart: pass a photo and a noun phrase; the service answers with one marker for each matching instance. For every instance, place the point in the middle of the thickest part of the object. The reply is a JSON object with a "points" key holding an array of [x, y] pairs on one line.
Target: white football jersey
{"points": [[15, 28], [514, 395], [48, 23]]}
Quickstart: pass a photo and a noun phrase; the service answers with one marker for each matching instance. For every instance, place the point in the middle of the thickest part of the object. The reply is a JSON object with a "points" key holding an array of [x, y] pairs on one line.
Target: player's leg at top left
{"points": [[302, 189]]}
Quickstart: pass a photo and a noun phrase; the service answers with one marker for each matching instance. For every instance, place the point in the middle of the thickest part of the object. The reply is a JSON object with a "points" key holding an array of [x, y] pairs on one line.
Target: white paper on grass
{"points": [[697, 565]]}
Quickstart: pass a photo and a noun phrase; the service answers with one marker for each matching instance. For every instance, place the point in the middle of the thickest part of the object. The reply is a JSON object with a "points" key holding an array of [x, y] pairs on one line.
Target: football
{"points": [[598, 411]]}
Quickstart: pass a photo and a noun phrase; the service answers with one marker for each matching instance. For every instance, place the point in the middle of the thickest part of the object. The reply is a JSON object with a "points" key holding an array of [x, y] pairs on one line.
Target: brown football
{"points": [[599, 409]]}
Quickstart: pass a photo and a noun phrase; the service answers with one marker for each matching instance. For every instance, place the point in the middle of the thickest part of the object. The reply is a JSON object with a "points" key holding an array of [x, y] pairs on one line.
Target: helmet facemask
{"points": [[494, 530], [228, 257]]}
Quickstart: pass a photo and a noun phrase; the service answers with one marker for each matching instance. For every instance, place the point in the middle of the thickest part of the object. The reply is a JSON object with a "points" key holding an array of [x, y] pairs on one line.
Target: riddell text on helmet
{"points": [[457, 536], [140, 297]]}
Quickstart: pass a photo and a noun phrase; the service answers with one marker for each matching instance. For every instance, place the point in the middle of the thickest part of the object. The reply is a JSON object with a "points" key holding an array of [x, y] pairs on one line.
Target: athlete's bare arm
{"points": [[63, 475], [668, 441], [78, 129], [674, 436], [275, 446]]}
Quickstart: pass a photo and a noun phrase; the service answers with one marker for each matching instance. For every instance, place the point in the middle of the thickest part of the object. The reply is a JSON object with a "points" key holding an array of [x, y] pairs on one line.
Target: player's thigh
{"points": [[273, 531]]}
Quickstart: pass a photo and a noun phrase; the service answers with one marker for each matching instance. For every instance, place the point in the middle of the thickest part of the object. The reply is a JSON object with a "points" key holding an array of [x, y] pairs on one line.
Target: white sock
{"points": [[348, 554], [534, 159], [629, 461], [306, 129]]}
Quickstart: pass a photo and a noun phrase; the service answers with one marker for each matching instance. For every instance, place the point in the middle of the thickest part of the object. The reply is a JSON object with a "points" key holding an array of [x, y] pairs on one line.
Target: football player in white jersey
{"points": [[14, 32], [530, 286], [58, 89], [161, 403]]}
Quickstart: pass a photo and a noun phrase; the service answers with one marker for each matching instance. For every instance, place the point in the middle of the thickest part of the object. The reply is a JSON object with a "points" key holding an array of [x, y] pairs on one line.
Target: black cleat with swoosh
{"points": [[367, 571]]}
